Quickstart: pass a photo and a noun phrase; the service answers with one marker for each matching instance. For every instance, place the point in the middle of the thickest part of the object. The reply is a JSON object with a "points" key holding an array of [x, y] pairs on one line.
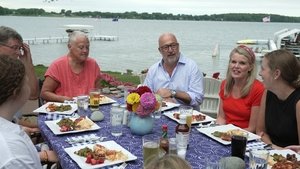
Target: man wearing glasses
{"points": [[11, 44], [175, 77]]}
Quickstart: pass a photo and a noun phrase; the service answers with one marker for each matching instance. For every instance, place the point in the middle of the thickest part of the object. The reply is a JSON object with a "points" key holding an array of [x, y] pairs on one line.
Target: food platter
{"points": [[206, 120], [169, 105], [103, 100], [81, 161], [284, 153], [224, 128], [54, 127], [44, 108]]}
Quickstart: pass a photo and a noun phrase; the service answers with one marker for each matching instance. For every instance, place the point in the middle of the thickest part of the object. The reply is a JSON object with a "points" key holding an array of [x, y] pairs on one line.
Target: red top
{"points": [[72, 84], [238, 111]]}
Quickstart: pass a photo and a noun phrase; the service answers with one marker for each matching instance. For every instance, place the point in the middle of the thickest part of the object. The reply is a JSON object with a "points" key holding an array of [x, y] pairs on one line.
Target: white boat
{"points": [[76, 27], [216, 51], [259, 46], [285, 38]]}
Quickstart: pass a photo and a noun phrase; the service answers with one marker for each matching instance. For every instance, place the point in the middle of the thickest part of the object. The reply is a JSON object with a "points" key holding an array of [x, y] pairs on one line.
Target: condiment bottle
{"points": [[164, 142], [182, 136]]}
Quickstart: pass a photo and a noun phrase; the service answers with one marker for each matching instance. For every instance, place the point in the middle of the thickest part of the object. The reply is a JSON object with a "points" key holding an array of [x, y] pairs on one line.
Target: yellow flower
{"points": [[133, 98]]}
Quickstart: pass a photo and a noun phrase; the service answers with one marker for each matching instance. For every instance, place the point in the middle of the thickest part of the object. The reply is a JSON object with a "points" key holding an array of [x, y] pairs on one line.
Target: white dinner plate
{"points": [[112, 145], [43, 109], [224, 128], [279, 152], [54, 127], [195, 112], [169, 105], [104, 100]]}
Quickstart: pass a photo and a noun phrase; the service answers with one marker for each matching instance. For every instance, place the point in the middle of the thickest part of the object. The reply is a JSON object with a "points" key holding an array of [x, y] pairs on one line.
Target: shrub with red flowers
{"points": [[142, 101]]}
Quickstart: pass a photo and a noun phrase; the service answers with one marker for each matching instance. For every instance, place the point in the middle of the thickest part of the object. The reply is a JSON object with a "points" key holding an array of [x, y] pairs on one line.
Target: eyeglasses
{"points": [[166, 47], [14, 47]]}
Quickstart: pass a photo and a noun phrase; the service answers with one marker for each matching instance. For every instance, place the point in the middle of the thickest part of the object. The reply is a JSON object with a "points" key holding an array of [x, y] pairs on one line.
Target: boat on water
{"points": [[116, 19], [76, 27], [216, 51], [284, 39]]}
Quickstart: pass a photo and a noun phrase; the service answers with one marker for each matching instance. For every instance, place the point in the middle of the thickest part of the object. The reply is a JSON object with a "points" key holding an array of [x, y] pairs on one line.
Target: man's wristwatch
{"points": [[173, 93]]}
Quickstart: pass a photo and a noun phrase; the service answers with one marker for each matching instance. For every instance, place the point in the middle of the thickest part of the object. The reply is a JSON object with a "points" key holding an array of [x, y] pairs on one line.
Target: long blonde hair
{"points": [[249, 54]]}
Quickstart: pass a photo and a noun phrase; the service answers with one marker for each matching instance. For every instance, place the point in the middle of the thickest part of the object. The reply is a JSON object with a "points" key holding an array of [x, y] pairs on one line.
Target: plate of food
{"points": [[106, 100], [71, 125], [223, 133], [103, 100], [286, 158], [197, 117], [99, 155], [56, 107], [168, 105]]}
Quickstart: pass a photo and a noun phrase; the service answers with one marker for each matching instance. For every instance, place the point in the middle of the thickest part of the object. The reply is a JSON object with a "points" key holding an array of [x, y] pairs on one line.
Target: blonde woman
{"points": [[240, 93]]}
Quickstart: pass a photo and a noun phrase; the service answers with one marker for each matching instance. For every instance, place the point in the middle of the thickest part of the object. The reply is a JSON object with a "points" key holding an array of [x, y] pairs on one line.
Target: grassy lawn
{"points": [[123, 77]]}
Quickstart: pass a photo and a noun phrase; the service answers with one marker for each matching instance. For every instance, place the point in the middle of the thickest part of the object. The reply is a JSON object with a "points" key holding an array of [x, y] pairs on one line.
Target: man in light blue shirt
{"points": [[175, 78]]}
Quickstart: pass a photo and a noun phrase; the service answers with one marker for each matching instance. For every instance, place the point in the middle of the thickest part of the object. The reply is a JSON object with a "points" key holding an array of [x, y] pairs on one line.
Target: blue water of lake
{"points": [[137, 46]]}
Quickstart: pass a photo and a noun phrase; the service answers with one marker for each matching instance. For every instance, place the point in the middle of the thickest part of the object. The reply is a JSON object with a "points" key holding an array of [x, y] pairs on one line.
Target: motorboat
{"points": [[75, 27], [288, 39], [259, 46], [283, 39]]}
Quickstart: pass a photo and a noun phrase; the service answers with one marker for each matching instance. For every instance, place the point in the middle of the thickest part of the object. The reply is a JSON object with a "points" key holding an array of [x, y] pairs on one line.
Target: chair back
{"points": [[210, 104]]}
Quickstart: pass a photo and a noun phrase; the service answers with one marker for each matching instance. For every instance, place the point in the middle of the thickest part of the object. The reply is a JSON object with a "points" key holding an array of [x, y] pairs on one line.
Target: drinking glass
{"points": [[238, 145], [258, 159], [188, 111], [157, 113], [172, 146], [150, 148], [82, 103], [94, 99]]}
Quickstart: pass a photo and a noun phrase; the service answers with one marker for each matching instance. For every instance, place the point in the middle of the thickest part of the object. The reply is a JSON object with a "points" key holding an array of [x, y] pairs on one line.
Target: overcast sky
{"points": [[194, 7]]}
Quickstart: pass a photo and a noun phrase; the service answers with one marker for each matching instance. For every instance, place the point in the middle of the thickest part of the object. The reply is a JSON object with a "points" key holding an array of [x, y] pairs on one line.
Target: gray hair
{"points": [[75, 34], [7, 33]]}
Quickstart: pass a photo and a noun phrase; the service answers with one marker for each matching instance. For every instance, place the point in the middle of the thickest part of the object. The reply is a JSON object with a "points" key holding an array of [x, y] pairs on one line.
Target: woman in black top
{"points": [[279, 116]]}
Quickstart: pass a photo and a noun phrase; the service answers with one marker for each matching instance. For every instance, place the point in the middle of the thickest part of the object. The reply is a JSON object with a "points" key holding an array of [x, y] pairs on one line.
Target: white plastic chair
{"points": [[211, 100]]}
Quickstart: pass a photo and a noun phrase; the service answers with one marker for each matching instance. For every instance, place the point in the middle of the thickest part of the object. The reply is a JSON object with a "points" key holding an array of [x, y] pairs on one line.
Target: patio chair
{"points": [[211, 100]]}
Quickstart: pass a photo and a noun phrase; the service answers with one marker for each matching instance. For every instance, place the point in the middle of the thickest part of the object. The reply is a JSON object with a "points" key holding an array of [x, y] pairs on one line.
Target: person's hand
{"points": [[295, 148], [30, 130], [26, 55], [164, 93]]}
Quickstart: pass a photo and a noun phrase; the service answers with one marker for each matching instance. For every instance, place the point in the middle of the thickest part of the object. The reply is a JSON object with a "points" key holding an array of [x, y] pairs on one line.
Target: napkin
{"points": [[60, 116], [256, 145]]}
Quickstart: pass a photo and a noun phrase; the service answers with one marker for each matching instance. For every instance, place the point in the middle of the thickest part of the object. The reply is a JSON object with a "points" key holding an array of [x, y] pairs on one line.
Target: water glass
{"points": [[157, 113], [116, 119], [188, 111], [172, 146], [94, 99], [259, 159], [150, 148], [238, 145], [82, 103]]}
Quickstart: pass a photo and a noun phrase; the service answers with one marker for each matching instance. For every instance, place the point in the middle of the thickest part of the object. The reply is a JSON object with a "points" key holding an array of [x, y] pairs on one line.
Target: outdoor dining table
{"points": [[201, 149]]}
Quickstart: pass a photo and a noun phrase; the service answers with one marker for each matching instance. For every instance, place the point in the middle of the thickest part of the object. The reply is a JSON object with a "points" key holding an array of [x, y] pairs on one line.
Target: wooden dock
{"points": [[64, 39]]}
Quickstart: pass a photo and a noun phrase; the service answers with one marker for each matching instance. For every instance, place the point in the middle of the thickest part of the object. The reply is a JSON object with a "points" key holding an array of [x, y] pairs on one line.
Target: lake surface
{"points": [[137, 46]]}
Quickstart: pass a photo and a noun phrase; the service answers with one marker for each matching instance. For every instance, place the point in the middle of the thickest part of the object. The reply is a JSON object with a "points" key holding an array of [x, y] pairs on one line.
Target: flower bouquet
{"points": [[142, 102]]}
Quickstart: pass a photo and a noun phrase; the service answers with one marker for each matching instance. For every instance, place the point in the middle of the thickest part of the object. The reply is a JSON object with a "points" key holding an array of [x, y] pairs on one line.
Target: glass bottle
{"points": [[164, 142], [182, 136]]}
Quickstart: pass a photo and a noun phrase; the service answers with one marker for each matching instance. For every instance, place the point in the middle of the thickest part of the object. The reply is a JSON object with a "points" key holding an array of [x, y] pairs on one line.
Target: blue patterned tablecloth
{"points": [[201, 148]]}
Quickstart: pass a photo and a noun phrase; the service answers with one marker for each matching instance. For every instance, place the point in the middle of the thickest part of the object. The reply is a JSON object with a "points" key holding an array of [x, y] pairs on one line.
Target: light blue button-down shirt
{"points": [[185, 77]]}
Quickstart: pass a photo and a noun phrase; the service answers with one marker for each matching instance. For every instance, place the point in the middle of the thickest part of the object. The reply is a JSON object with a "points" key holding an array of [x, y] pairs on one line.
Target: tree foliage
{"points": [[245, 17]]}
